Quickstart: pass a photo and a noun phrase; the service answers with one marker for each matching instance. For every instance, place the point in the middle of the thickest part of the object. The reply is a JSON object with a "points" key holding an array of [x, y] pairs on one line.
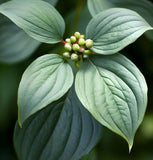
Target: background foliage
{"points": [[110, 146]]}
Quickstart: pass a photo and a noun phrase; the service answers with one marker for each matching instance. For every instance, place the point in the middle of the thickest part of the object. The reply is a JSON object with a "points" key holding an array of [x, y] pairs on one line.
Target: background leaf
{"points": [[64, 130], [16, 45], [117, 95], [9, 80], [52, 2], [114, 29], [143, 7], [47, 79], [37, 18]]}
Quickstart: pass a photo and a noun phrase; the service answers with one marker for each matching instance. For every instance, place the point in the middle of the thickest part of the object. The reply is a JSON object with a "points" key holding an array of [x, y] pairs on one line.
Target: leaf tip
{"points": [[20, 124], [130, 147]]}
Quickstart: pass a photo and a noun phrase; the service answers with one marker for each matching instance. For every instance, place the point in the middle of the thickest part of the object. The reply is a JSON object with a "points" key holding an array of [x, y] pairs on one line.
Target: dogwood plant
{"points": [[57, 107]]}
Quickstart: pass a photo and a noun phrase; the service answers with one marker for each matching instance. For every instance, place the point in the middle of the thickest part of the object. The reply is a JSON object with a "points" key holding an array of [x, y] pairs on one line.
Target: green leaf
{"points": [[64, 130], [143, 7], [52, 2], [115, 93], [16, 45], [37, 18], [114, 29], [47, 79]]}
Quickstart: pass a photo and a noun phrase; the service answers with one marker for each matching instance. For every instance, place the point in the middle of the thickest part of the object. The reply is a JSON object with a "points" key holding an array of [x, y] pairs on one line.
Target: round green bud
{"points": [[74, 57], [76, 47], [68, 40], [77, 64], [68, 47], [81, 41], [82, 36], [73, 39], [85, 56], [89, 43], [87, 52], [66, 55], [77, 35], [82, 49]]}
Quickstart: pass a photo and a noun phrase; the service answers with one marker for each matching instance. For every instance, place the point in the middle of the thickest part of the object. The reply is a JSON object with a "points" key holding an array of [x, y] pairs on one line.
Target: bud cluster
{"points": [[77, 48]]}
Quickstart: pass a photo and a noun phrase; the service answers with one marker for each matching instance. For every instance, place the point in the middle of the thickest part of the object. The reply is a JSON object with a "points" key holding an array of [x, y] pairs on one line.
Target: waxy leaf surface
{"points": [[47, 79], [64, 130], [37, 18], [115, 93], [114, 29], [143, 7]]}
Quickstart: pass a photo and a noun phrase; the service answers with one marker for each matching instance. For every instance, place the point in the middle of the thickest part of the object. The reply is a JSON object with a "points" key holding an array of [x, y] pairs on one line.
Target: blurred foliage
{"points": [[111, 146]]}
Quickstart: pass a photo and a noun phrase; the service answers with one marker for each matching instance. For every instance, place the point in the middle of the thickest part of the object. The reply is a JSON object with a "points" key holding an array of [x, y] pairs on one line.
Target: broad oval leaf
{"points": [[16, 45], [114, 29], [117, 95], [47, 79], [64, 130], [143, 7], [37, 18]]}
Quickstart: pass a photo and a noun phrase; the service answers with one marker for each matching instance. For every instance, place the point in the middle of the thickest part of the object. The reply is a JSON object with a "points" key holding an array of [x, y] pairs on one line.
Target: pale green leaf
{"points": [[64, 130], [115, 93], [37, 18], [114, 29], [15, 44], [143, 7], [47, 79]]}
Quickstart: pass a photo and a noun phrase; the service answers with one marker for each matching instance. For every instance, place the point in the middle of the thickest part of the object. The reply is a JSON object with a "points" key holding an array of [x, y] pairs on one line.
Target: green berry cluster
{"points": [[77, 48]]}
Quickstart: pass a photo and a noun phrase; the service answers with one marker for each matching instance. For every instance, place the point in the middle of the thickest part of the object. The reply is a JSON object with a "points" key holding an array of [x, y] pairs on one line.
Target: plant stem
{"points": [[77, 14]]}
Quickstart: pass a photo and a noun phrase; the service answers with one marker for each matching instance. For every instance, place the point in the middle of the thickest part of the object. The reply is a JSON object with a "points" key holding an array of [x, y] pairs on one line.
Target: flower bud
{"points": [[68, 40], [77, 64], [77, 35], [74, 57], [87, 52], [81, 42], [68, 47], [82, 36], [85, 56], [66, 55], [82, 49], [73, 39], [89, 43], [76, 47]]}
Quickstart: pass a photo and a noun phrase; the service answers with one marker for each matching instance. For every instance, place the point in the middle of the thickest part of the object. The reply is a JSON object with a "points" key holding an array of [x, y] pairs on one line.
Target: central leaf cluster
{"points": [[116, 98], [77, 48]]}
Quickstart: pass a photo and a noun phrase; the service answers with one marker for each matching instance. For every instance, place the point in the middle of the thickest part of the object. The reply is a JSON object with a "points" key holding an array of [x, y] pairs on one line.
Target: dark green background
{"points": [[111, 146]]}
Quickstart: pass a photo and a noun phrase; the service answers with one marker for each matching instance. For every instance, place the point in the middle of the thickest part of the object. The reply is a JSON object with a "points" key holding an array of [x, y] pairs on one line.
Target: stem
{"points": [[63, 41], [77, 15]]}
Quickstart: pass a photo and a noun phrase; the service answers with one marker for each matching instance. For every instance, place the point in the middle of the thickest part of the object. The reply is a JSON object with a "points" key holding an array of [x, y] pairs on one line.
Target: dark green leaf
{"points": [[47, 79], [64, 130], [9, 80], [37, 18], [114, 29], [16, 45], [115, 93], [52, 2]]}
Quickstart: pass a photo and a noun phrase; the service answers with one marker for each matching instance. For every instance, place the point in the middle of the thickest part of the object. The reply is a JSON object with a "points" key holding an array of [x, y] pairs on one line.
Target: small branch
{"points": [[63, 41], [77, 15]]}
